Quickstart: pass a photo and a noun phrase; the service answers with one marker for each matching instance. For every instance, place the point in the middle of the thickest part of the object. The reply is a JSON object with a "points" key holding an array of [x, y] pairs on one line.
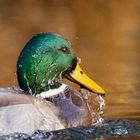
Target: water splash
{"points": [[96, 103], [114, 129], [28, 85], [99, 115]]}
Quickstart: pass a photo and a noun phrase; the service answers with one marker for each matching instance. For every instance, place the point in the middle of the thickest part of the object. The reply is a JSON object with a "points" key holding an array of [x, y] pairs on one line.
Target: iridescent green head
{"points": [[44, 59]]}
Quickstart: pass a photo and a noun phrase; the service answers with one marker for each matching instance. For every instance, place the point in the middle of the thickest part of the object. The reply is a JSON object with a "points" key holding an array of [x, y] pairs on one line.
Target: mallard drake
{"points": [[43, 102]]}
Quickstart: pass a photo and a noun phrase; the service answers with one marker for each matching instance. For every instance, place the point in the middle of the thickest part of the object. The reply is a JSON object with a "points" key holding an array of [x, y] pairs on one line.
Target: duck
{"points": [[42, 101]]}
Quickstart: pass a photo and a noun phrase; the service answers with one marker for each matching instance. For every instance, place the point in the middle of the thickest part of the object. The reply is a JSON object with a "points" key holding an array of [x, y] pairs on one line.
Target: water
{"points": [[113, 129], [105, 36]]}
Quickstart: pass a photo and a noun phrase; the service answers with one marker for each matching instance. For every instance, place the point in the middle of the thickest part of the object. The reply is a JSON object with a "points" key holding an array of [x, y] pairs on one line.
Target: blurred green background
{"points": [[105, 35]]}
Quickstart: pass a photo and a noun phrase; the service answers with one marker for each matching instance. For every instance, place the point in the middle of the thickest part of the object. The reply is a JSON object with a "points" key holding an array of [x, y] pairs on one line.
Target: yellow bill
{"points": [[79, 76]]}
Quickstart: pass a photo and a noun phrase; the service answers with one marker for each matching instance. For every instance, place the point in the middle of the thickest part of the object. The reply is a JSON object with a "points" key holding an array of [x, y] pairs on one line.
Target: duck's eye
{"points": [[64, 50]]}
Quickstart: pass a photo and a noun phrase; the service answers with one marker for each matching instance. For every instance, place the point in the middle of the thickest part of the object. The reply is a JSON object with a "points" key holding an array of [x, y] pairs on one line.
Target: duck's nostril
{"points": [[81, 72]]}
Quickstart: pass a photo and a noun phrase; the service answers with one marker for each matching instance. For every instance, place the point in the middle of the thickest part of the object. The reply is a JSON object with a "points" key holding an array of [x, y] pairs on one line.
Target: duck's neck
{"points": [[51, 90]]}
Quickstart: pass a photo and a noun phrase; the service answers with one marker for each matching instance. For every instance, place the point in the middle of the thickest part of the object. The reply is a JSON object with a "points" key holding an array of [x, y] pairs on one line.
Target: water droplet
{"points": [[50, 82], [34, 56], [78, 60], [20, 66]]}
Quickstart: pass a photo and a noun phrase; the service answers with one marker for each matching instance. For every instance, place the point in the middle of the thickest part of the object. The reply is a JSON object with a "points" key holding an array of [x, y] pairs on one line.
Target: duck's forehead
{"points": [[46, 41], [57, 41]]}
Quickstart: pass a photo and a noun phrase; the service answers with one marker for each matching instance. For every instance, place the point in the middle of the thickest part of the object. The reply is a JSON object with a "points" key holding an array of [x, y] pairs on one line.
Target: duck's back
{"points": [[22, 113]]}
